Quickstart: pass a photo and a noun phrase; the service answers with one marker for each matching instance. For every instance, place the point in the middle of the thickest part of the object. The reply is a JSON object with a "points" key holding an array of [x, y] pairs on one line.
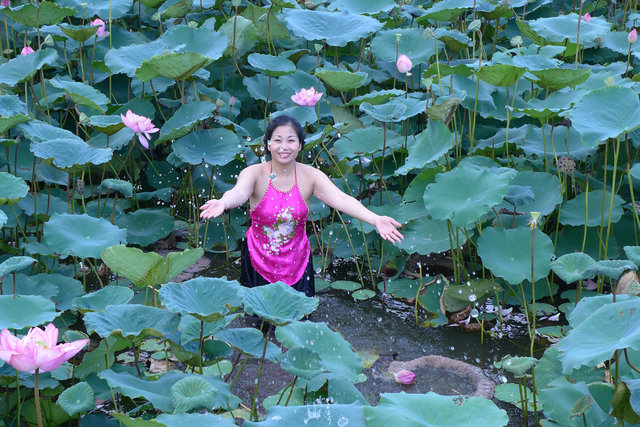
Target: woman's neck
{"points": [[282, 170]]}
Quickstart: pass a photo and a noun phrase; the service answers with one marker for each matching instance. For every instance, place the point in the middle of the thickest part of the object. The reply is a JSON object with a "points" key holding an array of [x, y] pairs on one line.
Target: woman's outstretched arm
{"points": [[327, 192], [233, 198]]}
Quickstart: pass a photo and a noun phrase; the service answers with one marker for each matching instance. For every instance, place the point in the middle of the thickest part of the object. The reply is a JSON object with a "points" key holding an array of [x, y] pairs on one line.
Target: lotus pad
{"points": [[277, 303], [28, 310], [571, 267], [12, 188], [132, 321], [573, 211], [206, 298], [335, 415]]}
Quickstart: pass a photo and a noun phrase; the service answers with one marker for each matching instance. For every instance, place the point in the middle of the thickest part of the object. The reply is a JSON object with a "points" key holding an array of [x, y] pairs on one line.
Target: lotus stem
{"points": [[604, 193], [533, 292], [254, 398], [201, 345], [616, 152], [37, 396]]}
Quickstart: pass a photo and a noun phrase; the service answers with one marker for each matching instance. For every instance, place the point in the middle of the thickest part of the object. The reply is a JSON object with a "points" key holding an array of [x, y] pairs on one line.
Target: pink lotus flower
{"points": [[586, 17], [404, 64], [100, 23], [232, 100], [6, 3], [404, 377], [633, 36], [26, 50], [307, 97], [141, 125], [37, 350]]}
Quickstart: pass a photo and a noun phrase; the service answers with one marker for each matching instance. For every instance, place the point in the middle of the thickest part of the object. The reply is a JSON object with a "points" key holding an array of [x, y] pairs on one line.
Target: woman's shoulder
{"points": [[307, 170], [255, 169]]}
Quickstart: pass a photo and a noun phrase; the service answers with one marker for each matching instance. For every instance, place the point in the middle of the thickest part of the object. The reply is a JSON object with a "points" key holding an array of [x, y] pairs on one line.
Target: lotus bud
{"points": [[475, 25], [48, 40], [235, 3], [404, 377], [633, 36], [586, 17], [533, 222], [404, 64], [232, 101], [26, 50], [516, 41]]}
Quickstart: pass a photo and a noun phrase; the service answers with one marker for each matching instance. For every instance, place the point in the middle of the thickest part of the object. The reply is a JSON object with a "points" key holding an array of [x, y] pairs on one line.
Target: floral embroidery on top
{"points": [[282, 231]]}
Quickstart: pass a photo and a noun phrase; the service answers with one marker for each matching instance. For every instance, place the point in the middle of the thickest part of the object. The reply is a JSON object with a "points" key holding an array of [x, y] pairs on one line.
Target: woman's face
{"points": [[284, 144]]}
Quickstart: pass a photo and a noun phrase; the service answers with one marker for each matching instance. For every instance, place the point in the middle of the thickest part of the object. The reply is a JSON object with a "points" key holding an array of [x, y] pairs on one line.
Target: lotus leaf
{"points": [[81, 93], [512, 393], [477, 191], [302, 362], [573, 211], [428, 146], [81, 235], [106, 124], [115, 9], [148, 269], [3, 219], [174, 9], [501, 74], [79, 33], [127, 59], [14, 264], [549, 368], [12, 112], [366, 141], [558, 29], [70, 154], [342, 80], [24, 67], [337, 28], [187, 39], [412, 44], [173, 65], [30, 285], [123, 419], [557, 78], [77, 398], [633, 253], [375, 97], [132, 322], [454, 39], [45, 13], [27, 310], [612, 268], [277, 303], [546, 192], [635, 171], [180, 420], [267, 26], [205, 298], [507, 253], [190, 327], [363, 8], [213, 146], [458, 297], [249, 341], [110, 184], [241, 33], [571, 267], [185, 120], [346, 285], [103, 298], [516, 365], [12, 188], [145, 226], [38, 131], [446, 10], [388, 112], [433, 410], [274, 66], [561, 397], [192, 393], [316, 415]]}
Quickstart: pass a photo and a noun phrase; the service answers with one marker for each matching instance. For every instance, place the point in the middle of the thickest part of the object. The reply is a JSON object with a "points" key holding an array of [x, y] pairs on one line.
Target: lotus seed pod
{"points": [[566, 165]]}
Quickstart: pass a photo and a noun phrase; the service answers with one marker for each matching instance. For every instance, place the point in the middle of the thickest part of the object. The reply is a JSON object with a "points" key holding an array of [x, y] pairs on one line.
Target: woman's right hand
{"points": [[212, 209]]}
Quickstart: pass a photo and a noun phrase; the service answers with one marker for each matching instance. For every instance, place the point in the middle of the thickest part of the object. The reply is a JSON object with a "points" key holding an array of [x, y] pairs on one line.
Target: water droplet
{"points": [[473, 297], [272, 176]]}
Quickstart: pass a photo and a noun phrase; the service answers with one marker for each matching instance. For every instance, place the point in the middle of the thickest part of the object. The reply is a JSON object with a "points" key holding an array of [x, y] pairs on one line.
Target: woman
{"points": [[278, 191]]}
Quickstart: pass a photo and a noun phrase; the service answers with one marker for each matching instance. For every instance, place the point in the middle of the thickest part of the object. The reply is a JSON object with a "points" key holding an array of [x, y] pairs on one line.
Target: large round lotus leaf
{"points": [[586, 306], [342, 80], [426, 236], [12, 188], [546, 190], [618, 42], [426, 147], [81, 93], [103, 298], [366, 141], [77, 398], [561, 398], [376, 97], [132, 321], [458, 297], [274, 66], [412, 44], [241, 35], [38, 131], [446, 10], [454, 39], [388, 112], [26, 310], [70, 154], [148, 269], [371, 7], [476, 191], [192, 393], [560, 28], [175, 65], [110, 184], [597, 115], [573, 211], [249, 341], [336, 28], [185, 120], [277, 303], [81, 235], [566, 142], [550, 367], [60, 289], [337, 355], [106, 124], [14, 264], [213, 146], [612, 268], [433, 410], [315, 415], [206, 298], [29, 285], [635, 171], [12, 112], [84, 8], [127, 59], [557, 78], [145, 226], [633, 253], [23, 67], [507, 253], [80, 33], [589, 343], [30, 15], [183, 38], [302, 362], [571, 267], [500, 74], [208, 419], [267, 26]]}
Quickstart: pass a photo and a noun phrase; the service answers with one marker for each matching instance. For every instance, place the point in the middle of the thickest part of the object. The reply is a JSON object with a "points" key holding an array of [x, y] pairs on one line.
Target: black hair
{"points": [[283, 120]]}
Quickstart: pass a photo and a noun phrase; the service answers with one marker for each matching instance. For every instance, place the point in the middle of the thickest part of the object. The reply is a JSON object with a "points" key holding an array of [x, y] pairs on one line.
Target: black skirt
{"points": [[250, 278]]}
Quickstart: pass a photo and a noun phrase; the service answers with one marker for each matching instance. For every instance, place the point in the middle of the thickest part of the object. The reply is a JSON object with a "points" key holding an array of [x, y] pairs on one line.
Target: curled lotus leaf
{"points": [[173, 65], [205, 298], [12, 112], [446, 10], [213, 146], [342, 80], [192, 393], [184, 120], [316, 415], [14, 264], [115, 9], [454, 39], [24, 67], [428, 146], [274, 66], [70, 154], [12, 188], [302, 362], [501, 74], [103, 298], [371, 7], [612, 268], [249, 341], [557, 29], [79, 33], [123, 187], [571, 267], [277, 303], [145, 226], [132, 322], [241, 33], [516, 365], [77, 398], [557, 78], [81, 93], [25, 310], [32, 15], [633, 254]]}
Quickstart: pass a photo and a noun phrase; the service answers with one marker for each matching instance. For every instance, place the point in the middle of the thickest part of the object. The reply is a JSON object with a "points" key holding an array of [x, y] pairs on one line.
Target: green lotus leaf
{"points": [[573, 211], [25, 310], [433, 410], [81, 235], [561, 397], [268, 26], [426, 147], [70, 154], [30, 15], [79, 33], [458, 297], [500, 74], [123, 419], [213, 146], [3, 219], [507, 253], [23, 67], [493, 11], [454, 39], [426, 236], [571, 267], [546, 192], [145, 226], [123, 187], [372, 7], [633, 254], [241, 33], [519, 194], [516, 365], [375, 97], [77, 398], [175, 9], [477, 191], [412, 44], [586, 307], [205, 298], [12, 112], [181, 420], [106, 124], [185, 120], [302, 362], [14, 264], [597, 115], [635, 171], [38, 131], [337, 355], [192, 393], [127, 59], [148, 269], [566, 142], [366, 141], [336, 28], [511, 393], [249, 341], [316, 415], [277, 303], [612, 268], [549, 368], [103, 298], [174, 65], [557, 78], [618, 42], [588, 343], [342, 80], [558, 29], [56, 287], [363, 294], [391, 111], [132, 322], [12, 188], [274, 66], [115, 9], [81, 93]]}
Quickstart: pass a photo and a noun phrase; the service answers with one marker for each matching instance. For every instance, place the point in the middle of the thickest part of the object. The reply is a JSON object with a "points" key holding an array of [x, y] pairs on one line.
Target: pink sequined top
{"points": [[277, 240]]}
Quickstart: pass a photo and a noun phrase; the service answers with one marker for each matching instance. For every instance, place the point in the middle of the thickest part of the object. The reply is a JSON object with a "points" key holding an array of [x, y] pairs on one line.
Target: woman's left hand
{"points": [[387, 228]]}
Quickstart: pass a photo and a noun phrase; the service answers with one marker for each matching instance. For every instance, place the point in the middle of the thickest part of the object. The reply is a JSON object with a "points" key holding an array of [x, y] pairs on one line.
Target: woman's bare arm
{"points": [[233, 198]]}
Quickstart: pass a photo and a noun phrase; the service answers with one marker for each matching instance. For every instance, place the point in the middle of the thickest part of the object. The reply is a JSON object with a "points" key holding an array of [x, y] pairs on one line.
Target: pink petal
{"points": [[143, 141]]}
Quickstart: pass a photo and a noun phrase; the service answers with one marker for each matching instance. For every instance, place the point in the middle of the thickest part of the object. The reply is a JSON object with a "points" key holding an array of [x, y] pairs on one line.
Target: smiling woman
{"points": [[278, 192]]}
